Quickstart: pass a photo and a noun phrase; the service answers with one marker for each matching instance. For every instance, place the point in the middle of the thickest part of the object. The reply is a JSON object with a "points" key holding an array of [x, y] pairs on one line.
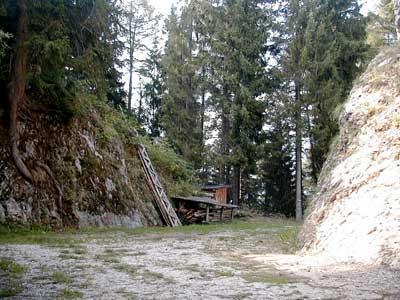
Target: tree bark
{"points": [[236, 185], [17, 87], [225, 132], [397, 17], [314, 169], [299, 200], [132, 45]]}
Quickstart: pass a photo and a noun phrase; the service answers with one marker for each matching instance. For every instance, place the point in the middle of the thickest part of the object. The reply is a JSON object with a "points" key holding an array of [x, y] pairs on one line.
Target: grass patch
{"points": [[193, 268], [152, 276], [236, 225], [288, 239], [12, 273], [223, 273], [11, 267], [87, 284], [61, 277], [111, 260], [11, 290], [69, 294], [125, 268], [269, 278], [80, 251], [69, 256], [140, 253], [36, 236]]}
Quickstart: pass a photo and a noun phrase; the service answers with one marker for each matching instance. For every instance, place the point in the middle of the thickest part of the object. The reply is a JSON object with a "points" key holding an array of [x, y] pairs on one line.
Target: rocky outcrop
{"points": [[95, 165], [355, 214]]}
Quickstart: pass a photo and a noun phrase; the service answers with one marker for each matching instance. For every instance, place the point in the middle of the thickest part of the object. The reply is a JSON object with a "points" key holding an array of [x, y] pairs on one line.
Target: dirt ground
{"points": [[236, 261]]}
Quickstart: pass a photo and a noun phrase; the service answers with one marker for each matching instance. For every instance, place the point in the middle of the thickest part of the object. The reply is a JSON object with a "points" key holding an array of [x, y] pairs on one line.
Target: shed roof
{"points": [[204, 200], [209, 187]]}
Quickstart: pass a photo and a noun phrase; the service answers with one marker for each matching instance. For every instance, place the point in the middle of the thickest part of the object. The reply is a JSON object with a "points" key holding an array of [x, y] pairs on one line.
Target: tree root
{"points": [[55, 184], [17, 88]]}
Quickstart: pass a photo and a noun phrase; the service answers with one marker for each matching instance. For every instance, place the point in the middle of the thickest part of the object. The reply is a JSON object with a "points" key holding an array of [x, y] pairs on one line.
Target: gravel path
{"points": [[222, 264]]}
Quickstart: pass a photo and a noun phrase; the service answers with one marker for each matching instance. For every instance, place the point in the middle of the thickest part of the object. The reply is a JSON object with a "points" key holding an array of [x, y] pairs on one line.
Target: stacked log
{"points": [[192, 215], [199, 215]]}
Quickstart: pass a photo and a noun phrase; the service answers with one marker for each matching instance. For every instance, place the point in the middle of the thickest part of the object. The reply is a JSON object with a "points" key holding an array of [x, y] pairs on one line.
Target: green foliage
{"points": [[334, 55], [180, 110], [175, 170], [4, 36]]}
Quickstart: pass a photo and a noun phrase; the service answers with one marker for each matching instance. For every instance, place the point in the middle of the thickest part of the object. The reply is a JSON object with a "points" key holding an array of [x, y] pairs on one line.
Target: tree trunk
{"points": [[299, 201], [397, 17], [236, 185], [225, 132], [140, 108], [17, 87], [314, 169], [132, 45]]}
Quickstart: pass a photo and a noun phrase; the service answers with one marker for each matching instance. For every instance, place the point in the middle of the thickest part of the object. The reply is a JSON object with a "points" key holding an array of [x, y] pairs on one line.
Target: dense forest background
{"points": [[247, 91]]}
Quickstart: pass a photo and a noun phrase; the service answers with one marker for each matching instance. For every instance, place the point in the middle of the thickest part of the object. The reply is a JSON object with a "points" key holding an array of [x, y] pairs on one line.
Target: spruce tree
{"points": [[334, 54]]}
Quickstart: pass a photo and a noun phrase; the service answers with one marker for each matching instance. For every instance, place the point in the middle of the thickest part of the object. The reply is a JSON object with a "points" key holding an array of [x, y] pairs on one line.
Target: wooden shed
{"points": [[219, 193], [203, 209]]}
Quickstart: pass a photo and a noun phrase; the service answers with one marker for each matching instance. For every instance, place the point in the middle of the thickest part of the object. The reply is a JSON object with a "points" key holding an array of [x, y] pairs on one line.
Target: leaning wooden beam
{"points": [[167, 211]]}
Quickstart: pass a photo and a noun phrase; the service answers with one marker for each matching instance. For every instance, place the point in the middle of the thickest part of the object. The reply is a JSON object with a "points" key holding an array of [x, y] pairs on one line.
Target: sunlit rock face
{"points": [[355, 213]]}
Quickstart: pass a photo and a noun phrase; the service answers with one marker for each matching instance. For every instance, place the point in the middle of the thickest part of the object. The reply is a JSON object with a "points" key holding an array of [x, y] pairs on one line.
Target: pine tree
{"points": [[278, 164], [153, 88], [294, 67], [61, 48], [382, 25], [180, 108], [334, 54], [140, 19]]}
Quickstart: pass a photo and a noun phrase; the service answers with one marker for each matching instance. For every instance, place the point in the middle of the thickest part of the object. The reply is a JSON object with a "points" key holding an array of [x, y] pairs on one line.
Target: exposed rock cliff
{"points": [[355, 214], [98, 179]]}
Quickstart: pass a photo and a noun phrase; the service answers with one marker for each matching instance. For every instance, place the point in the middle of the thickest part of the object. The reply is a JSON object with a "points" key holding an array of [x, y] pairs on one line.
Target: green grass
{"points": [[222, 273], [69, 256], [74, 238], [202, 229], [111, 260], [151, 277], [36, 236], [11, 290], [69, 294], [288, 239], [265, 277], [13, 273], [61, 277], [125, 268], [11, 267]]}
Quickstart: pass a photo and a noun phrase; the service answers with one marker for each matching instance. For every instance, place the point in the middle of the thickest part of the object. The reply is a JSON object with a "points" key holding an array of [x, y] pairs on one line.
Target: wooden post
{"points": [[231, 214], [222, 211], [207, 213]]}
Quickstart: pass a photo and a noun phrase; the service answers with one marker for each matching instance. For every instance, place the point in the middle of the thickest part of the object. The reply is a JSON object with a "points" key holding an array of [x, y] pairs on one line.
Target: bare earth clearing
{"points": [[233, 261]]}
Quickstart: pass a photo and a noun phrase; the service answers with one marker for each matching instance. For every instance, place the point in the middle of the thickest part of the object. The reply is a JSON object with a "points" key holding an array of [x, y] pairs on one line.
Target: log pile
{"points": [[192, 215], [199, 215]]}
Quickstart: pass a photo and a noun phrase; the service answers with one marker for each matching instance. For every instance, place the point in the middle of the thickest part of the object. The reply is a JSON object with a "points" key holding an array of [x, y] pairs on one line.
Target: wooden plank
{"points": [[167, 211]]}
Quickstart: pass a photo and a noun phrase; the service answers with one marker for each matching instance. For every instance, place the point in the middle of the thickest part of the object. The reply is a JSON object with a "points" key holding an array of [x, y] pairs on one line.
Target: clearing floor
{"points": [[242, 260]]}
